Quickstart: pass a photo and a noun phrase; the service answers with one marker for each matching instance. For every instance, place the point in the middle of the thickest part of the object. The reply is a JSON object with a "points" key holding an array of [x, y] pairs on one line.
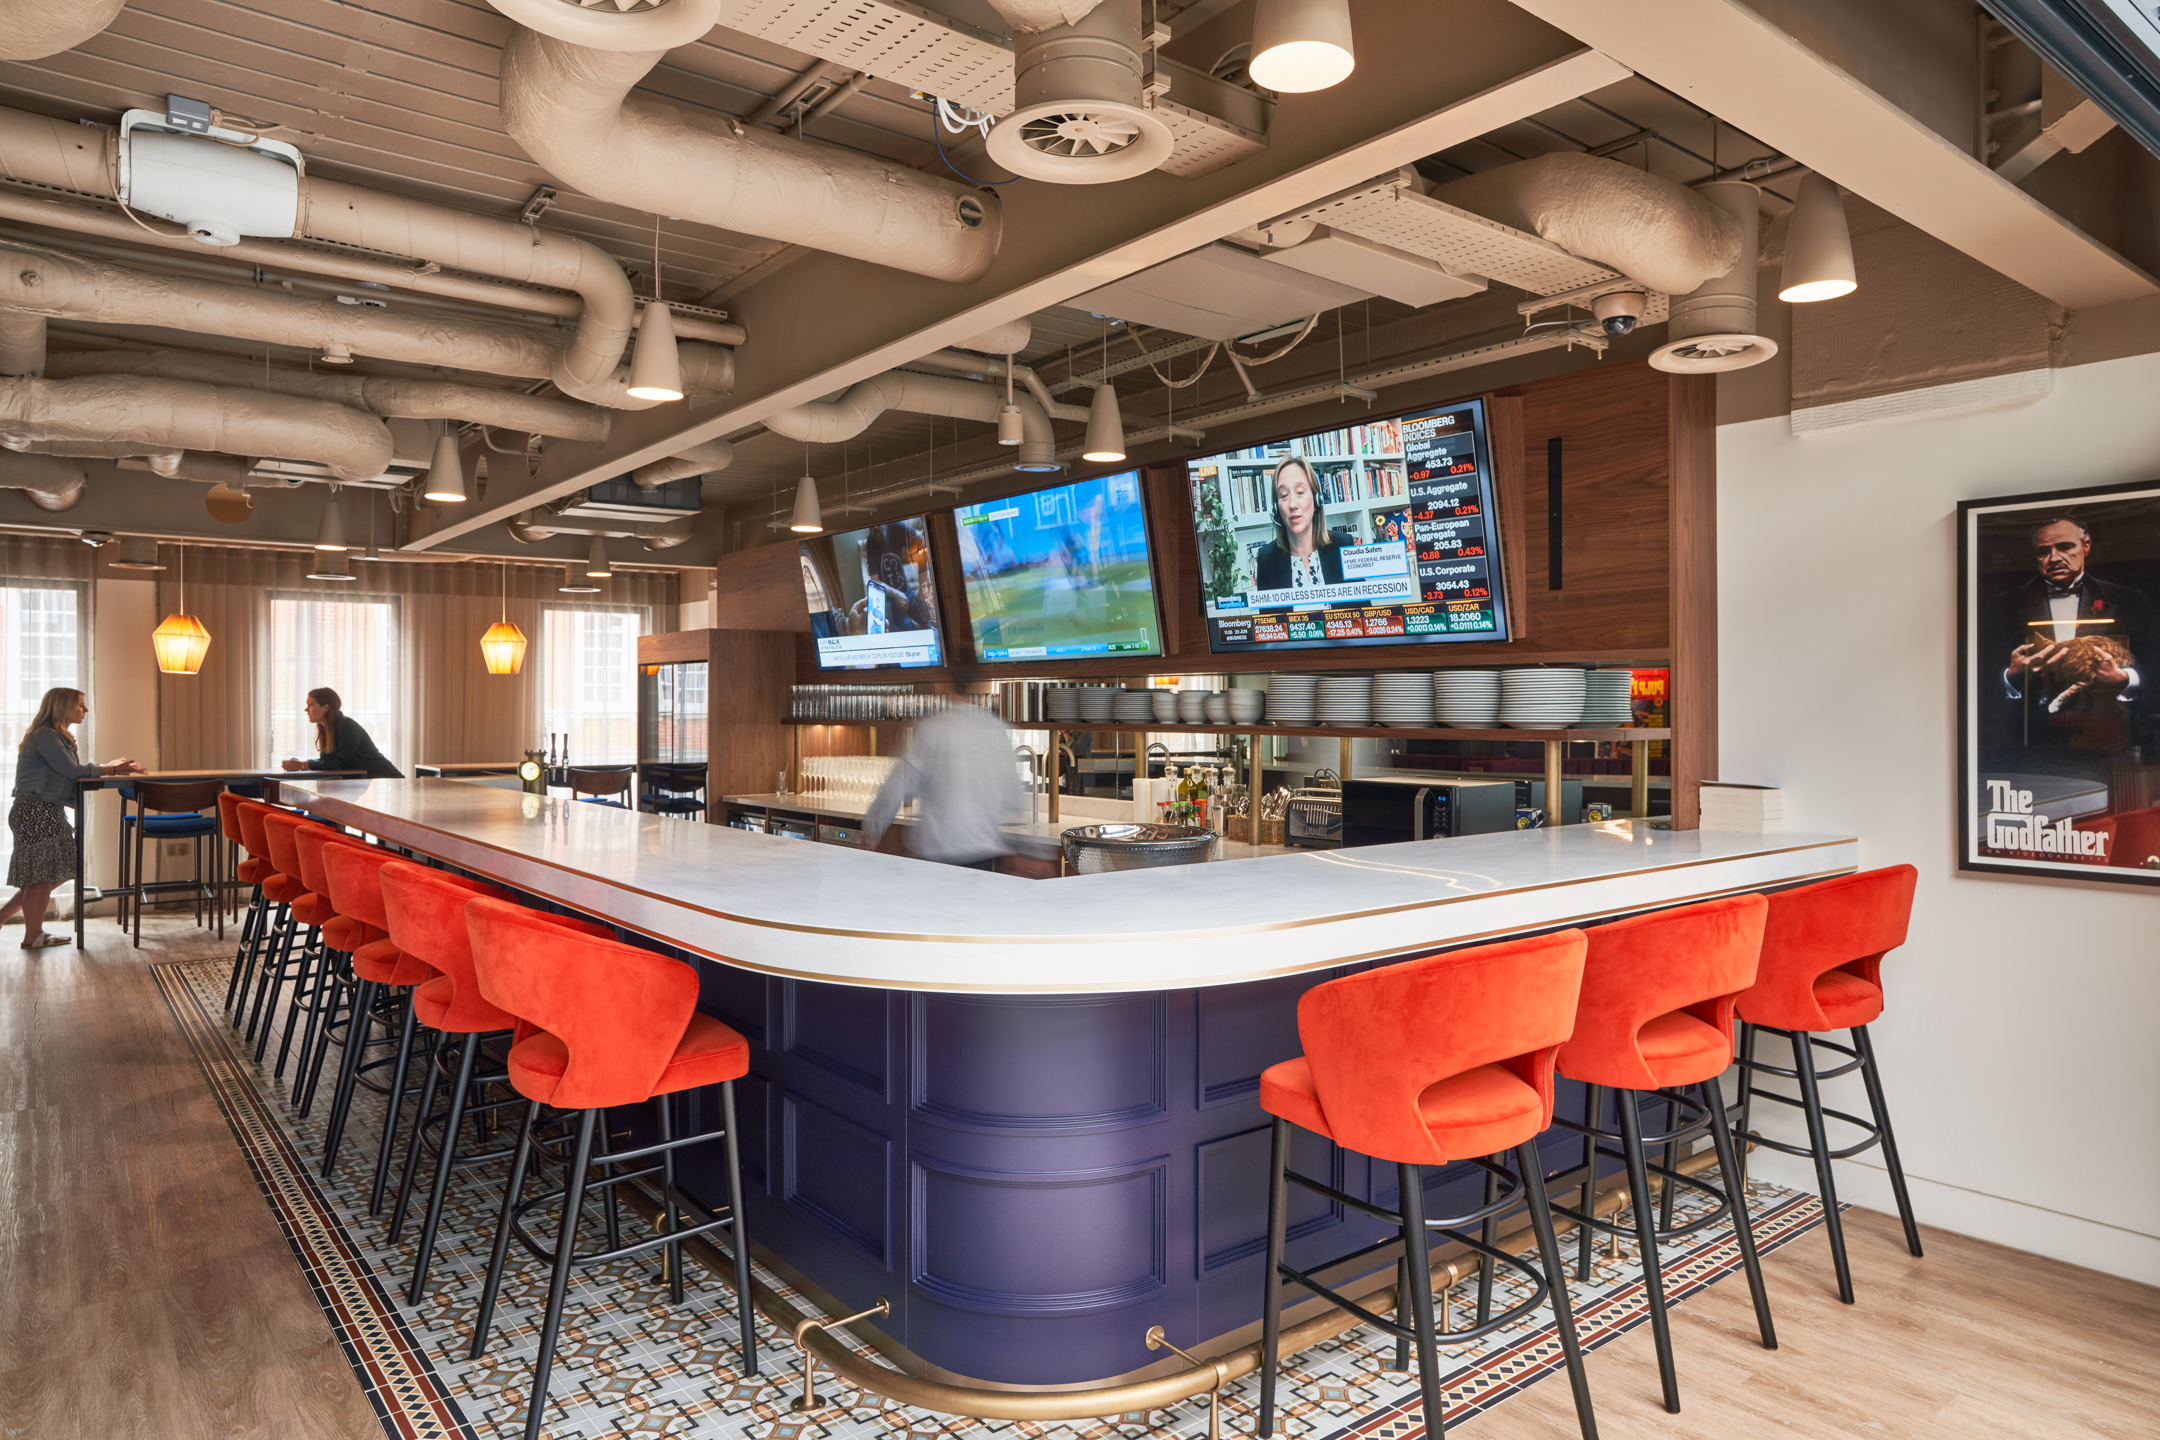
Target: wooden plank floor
{"points": [[145, 1289]]}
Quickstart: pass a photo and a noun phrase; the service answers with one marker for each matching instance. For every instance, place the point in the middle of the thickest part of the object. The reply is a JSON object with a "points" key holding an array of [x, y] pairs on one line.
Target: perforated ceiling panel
{"points": [[891, 40], [1200, 142], [1390, 213]]}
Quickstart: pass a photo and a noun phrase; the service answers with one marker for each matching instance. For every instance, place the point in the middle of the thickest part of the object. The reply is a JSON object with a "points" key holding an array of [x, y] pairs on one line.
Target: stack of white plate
{"points": [[1132, 707], [1609, 700], [1096, 702], [1061, 702], [1192, 707], [1403, 697], [1246, 706], [1293, 699], [1346, 699], [1165, 706], [1468, 698], [1542, 699]]}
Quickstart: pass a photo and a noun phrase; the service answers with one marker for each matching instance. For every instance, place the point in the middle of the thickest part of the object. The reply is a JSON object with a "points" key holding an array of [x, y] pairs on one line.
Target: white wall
{"points": [[2018, 1047], [123, 704]]}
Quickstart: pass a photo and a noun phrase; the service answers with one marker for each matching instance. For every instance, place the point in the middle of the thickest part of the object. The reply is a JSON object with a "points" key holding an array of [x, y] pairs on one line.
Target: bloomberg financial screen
{"points": [[1381, 533]]}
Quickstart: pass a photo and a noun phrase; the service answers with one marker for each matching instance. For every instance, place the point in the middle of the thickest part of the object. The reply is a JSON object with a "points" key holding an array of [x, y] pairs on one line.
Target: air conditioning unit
{"points": [[621, 499], [220, 186]]}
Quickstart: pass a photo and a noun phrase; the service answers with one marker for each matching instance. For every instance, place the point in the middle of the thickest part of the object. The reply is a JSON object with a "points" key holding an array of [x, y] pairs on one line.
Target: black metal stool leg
{"points": [[395, 1107], [745, 1282], [445, 1158], [1490, 1234], [413, 1146], [1872, 1077], [1646, 1240], [559, 1282], [357, 1031], [328, 983], [1402, 1315], [305, 986], [1736, 1201], [1411, 1180], [1819, 1141], [1532, 1166], [500, 1254], [322, 1036], [1271, 1291], [237, 981], [278, 940], [1671, 1193], [1744, 1057], [1585, 1237], [672, 1253]]}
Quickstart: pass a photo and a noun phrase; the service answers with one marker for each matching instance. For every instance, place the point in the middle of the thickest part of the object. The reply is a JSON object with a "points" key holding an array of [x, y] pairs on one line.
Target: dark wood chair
{"points": [[159, 810], [673, 790], [602, 784]]}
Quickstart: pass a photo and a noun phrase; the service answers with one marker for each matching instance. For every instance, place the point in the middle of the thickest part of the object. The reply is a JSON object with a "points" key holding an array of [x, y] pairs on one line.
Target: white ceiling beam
{"points": [[1728, 59]]}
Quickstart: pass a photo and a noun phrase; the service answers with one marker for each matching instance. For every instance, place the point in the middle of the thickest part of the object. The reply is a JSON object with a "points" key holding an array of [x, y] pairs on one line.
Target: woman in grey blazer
{"points": [[46, 769]]}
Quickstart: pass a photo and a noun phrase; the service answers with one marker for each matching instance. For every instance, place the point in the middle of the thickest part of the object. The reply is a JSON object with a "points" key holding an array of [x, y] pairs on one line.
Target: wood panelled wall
{"points": [[1613, 469]]}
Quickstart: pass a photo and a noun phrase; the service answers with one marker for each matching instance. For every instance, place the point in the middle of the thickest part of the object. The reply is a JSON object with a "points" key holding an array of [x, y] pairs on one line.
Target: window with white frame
{"points": [[588, 681], [41, 645], [350, 644]]}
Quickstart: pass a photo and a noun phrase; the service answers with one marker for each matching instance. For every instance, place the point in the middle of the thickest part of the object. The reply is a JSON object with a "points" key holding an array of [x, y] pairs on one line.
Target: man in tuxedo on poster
{"points": [[2058, 698]]}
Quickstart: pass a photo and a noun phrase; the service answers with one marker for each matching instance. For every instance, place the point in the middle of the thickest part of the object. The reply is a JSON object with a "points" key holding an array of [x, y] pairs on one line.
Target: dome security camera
{"points": [[1619, 311]]}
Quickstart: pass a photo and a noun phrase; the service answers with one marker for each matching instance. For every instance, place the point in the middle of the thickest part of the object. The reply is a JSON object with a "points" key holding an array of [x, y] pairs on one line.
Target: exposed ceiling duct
{"points": [[183, 415], [828, 422], [1030, 15], [1644, 226], [616, 26], [1713, 327], [22, 343], [1082, 113], [664, 535], [409, 399], [34, 29], [51, 483], [49, 283], [570, 108], [697, 460]]}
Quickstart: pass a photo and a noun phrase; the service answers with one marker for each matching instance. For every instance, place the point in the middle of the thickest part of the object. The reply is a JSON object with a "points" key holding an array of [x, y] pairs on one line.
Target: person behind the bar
{"points": [[959, 764], [340, 742], [1304, 552], [46, 769]]}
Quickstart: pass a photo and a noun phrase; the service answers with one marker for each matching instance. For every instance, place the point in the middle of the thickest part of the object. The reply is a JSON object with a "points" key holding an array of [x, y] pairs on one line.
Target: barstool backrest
{"points": [[600, 779], [309, 843], [281, 829], [619, 1011], [1695, 958], [426, 913], [228, 805], [164, 797], [253, 832], [354, 873], [1378, 1040], [1848, 923]]}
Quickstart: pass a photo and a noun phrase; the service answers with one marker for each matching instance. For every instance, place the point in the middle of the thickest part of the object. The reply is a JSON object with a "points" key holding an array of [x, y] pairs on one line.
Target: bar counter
{"points": [[1026, 1112]]}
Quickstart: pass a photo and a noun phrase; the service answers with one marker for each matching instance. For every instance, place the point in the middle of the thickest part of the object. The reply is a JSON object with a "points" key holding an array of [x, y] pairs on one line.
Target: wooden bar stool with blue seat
{"points": [[1430, 1062], [1821, 971], [426, 910], [1655, 1023], [164, 811], [611, 1025], [672, 790], [602, 784]]}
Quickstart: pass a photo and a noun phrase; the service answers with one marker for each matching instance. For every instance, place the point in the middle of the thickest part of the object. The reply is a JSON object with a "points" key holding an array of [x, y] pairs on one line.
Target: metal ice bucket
{"points": [[1093, 849]]}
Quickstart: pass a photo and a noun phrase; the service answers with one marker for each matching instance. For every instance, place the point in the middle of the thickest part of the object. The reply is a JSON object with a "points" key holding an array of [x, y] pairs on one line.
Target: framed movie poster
{"points": [[2059, 684]]}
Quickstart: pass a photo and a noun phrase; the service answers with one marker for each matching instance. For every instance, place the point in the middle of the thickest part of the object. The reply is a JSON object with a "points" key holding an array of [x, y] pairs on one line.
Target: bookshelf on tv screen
{"points": [[1380, 533]]}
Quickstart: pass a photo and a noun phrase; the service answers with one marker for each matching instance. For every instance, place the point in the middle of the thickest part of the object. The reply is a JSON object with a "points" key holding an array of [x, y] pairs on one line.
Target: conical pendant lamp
{"points": [[503, 646], [1105, 428], [1818, 246], [596, 561], [655, 367], [181, 640], [809, 518]]}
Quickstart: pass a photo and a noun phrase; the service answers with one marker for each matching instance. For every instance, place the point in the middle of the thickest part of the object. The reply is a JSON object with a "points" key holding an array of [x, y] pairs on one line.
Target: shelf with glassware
{"points": [[1555, 742]]}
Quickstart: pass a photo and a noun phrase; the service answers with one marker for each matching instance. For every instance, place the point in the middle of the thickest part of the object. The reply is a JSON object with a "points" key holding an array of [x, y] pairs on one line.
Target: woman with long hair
{"points": [[340, 742], [1304, 551], [46, 769]]}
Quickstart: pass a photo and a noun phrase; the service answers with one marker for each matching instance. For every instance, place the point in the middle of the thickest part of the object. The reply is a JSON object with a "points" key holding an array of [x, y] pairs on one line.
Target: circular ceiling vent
{"points": [[1080, 142], [1702, 354], [637, 25]]}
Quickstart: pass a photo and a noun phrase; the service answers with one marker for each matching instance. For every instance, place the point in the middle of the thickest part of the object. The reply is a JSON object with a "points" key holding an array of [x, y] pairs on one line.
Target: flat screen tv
{"points": [[1380, 533], [873, 601], [1060, 573]]}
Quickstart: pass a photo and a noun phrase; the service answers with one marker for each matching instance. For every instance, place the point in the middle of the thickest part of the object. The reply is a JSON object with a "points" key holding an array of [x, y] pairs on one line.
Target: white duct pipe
{"points": [[49, 283], [569, 107], [1649, 229], [22, 343], [697, 460], [229, 470], [34, 29], [278, 255], [659, 535], [605, 27], [52, 483], [409, 399], [182, 415], [985, 368], [824, 422], [1031, 15], [1713, 327], [1010, 338]]}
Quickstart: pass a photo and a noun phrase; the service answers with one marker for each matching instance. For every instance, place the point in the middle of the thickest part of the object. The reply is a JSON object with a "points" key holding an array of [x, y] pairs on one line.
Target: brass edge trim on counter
{"points": [[983, 1400], [1222, 932]]}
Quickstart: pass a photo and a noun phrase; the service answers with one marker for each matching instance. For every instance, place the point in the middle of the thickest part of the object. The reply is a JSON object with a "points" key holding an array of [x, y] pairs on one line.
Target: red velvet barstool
{"points": [[379, 968], [614, 1026], [426, 910], [333, 979], [306, 912], [1822, 970], [1430, 1062], [1656, 1020], [280, 886], [249, 871]]}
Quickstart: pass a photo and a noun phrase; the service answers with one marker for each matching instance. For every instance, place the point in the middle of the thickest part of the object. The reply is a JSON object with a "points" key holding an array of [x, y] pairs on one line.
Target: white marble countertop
{"points": [[1039, 837], [834, 913]]}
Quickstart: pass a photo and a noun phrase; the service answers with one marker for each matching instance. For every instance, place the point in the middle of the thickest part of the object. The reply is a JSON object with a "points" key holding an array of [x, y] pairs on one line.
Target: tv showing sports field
{"points": [[872, 598], [1380, 533], [1060, 573]]}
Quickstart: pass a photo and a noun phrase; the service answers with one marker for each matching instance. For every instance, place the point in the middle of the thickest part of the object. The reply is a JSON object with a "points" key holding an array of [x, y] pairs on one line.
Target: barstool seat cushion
{"points": [[175, 827], [708, 1053], [1822, 951], [426, 913], [308, 908], [382, 963], [279, 889], [1684, 1050], [437, 998], [347, 934], [1479, 1112], [251, 871]]}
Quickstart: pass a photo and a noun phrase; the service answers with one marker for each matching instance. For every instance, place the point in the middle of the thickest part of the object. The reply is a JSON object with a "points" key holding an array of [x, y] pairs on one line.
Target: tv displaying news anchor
{"points": [[1305, 553]]}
